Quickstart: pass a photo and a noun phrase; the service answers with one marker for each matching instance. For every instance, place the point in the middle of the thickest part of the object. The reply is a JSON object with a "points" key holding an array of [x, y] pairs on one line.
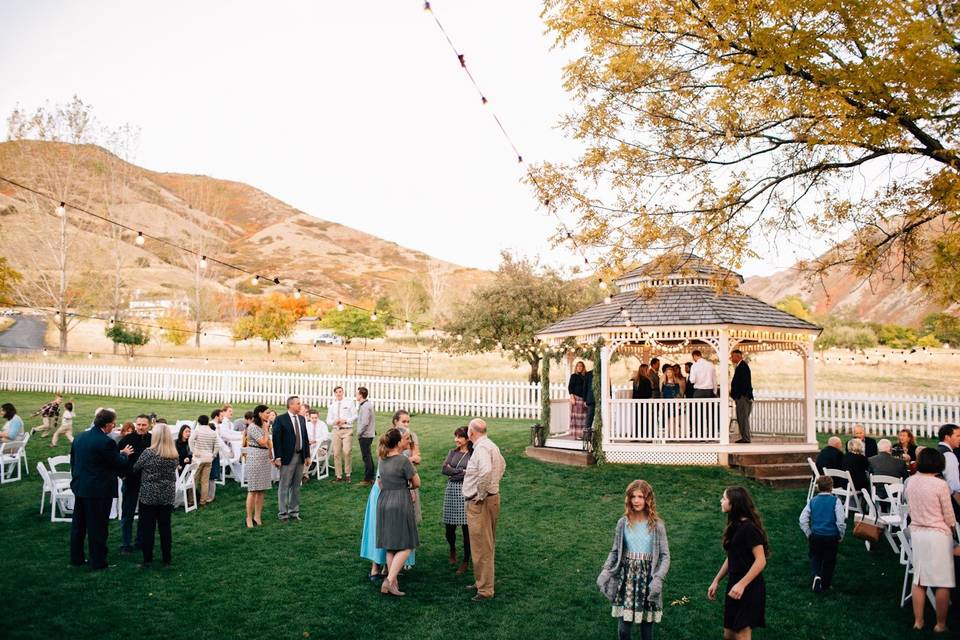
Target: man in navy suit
{"points": [[291, 449], [741, 390], [95, 463]]}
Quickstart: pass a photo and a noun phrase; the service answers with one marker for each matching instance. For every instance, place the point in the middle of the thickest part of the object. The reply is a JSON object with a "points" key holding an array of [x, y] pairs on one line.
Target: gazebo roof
{"points": [[679, 306], [652, 296]]}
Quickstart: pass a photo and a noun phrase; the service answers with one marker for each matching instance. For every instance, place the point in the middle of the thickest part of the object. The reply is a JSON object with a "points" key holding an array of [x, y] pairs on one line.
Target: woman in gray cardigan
{"points": [[632, 577]]}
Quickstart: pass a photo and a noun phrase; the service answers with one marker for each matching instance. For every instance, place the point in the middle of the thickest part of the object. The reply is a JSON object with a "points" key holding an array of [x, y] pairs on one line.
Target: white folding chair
{"points": [[890, 483], [186, 487], [242, 476], [12, 456], [889, 521], [320, 465], [906, 593], [813, 479], [52, 480], [56, 464], [61, 497], [26, 439], [115, 506], [848, 494]]}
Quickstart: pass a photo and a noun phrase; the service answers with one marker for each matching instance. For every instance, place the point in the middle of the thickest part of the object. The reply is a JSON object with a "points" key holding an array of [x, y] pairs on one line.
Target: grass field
{"points": [[305, 580]]}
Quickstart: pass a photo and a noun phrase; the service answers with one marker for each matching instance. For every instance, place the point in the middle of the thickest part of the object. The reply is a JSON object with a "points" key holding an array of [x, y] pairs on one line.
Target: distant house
{"points": [[156, 307]]}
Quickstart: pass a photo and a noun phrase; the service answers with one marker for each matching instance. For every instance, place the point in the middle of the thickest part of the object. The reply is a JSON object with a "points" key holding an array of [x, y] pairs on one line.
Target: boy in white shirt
{"points": [[66, 425]]}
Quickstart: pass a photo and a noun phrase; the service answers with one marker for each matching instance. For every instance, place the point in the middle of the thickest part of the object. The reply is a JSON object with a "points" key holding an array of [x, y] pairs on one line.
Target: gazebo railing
{"points": [[777, 416], [675, 420]]}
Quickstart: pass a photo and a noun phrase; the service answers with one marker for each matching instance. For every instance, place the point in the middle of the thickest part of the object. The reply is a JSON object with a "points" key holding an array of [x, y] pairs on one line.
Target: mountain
{"points": [[885, 298], [224, 220]]}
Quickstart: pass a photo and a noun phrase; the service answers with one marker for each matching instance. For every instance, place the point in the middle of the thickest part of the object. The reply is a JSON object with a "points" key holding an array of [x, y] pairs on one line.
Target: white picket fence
{"points": [[835, 412]]}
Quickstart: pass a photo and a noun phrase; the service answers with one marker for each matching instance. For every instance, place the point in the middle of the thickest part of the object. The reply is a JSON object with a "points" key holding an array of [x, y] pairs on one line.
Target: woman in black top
{"points": [[158, 468], [857, 464], [745, 542], [184, 455], [577, 388]]}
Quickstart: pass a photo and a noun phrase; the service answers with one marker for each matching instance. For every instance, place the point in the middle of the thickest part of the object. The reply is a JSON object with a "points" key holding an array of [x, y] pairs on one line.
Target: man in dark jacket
{"points": [[869, 444], [139, 440], [291, 450], [884, 464], [741, 390], [95, 464], [831, 456]]}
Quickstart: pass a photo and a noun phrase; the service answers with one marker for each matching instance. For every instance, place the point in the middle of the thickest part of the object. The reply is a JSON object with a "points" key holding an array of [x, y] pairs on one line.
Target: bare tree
{"points": [[50, 144], [436, 280], [210, 204]]}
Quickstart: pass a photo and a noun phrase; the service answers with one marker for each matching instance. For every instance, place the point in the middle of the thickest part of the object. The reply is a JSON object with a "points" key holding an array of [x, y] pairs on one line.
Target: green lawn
{"points": [[306, 579]]}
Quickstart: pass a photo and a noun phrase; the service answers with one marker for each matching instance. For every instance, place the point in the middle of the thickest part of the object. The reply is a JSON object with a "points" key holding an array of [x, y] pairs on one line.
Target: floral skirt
{"points": [[632, 603]]}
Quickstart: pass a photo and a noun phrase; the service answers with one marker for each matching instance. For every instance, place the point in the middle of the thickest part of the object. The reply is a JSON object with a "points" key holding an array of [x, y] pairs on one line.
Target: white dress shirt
{"points": [[703, 375], [341, 410], [317, 431]]}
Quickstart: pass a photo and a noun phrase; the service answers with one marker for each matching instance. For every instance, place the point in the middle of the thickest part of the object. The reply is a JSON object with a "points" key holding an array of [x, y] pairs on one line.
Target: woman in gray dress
{"points": [[396, 519], [258, 469]]}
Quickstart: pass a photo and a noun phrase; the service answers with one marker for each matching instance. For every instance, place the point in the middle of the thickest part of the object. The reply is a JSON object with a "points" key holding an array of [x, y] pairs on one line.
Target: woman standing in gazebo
{"points": [[577, 387]]}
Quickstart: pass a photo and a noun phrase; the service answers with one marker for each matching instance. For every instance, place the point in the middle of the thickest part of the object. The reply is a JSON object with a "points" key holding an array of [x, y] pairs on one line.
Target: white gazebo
{"points": [[673, 307]]}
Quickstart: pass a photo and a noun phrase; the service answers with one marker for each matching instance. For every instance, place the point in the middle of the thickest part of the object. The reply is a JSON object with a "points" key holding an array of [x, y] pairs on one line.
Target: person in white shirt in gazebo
{"points": [[703, 377], [340, 418]]}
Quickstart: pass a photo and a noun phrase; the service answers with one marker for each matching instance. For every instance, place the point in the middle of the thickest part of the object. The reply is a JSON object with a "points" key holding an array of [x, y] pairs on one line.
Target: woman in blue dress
{"points": [[368, 542]]}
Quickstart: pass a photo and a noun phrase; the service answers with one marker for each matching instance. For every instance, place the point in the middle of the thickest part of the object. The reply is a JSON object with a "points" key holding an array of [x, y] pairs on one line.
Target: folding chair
{"points": [[52, 480], [907, 592], [61, 497], [889, 521], [59, 461], [888, 483], [185, 487], [320, 467], [813, 479], [12, 456], [26, 463], [848, 494]]}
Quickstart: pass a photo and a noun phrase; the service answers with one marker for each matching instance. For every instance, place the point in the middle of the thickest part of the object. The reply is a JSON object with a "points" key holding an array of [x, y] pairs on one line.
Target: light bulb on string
{"points": [[408, 325], [256, 280], [276, 280], [140, 239], [607, 300], [203, 262], [373, 316], [90, 355], [297, 294], [603, 284], [45, 352], [61, 209], [426, 7], [339, 306]]}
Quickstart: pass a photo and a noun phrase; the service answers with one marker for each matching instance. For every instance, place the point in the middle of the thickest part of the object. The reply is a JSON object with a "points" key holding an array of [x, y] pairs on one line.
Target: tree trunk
{"points": [[196, 335], [534, 369], [268, 346]]}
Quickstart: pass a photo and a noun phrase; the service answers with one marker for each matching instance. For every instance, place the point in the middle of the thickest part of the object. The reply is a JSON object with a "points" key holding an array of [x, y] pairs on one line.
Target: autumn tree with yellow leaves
{"points": [[707, 122]]}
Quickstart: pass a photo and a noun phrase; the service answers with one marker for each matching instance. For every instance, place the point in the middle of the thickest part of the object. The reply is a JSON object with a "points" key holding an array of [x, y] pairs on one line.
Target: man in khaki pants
{"points": [[481, 491], [340, 417]]}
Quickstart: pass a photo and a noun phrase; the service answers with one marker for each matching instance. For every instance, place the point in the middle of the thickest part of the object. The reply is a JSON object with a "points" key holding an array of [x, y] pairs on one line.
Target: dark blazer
{"points": [[284, 439], [742, 383], [884, 464], [589, 398], [95, 462], [869, 446], [642, 388], [829, 458], [858, 466]]}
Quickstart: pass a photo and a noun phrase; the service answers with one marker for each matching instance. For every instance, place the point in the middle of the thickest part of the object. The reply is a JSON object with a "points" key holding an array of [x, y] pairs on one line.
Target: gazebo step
{"points": [[774, 470], [792, 457], [561, 456], [786, 482]]}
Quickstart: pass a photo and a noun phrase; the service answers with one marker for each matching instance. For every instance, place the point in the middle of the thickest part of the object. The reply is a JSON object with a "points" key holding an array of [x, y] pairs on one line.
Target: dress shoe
{"points": [[365, 483], [742, 441], [480, 598], [453, 557], [471, 587], [462, 569]]}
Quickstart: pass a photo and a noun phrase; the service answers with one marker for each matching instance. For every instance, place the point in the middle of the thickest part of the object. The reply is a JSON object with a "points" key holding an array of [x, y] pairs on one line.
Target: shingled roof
{"points": [[678, 306], [681, 265]]}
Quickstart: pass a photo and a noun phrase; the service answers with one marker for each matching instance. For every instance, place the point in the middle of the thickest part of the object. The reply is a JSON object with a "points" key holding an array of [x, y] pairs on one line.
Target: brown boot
{"points": [[462, 569], [453, 556]]}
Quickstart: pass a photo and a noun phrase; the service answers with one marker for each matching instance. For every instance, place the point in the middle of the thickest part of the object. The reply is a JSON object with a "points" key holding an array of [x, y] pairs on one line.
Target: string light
{"points": [[297, 294], [90, 355], [45, 352], [603, 284], [61, 209], [140, 239], [408, 325], [373, 316], [607, 300], [255, 280], [203, 262], [339, 306]]}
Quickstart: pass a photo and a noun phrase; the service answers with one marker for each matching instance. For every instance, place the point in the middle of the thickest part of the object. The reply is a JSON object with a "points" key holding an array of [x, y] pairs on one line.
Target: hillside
{"points": [[228, 220], [884, 298]]}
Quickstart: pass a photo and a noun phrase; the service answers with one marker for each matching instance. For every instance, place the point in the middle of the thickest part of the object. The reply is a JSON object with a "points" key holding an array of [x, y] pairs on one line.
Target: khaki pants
{"points": [[342, 443], [482, 521], [49, 423], [65, 429], [203, 472]]}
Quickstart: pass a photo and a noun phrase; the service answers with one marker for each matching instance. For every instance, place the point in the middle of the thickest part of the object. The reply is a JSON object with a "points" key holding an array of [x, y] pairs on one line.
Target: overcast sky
{"points": [[356, 112]]}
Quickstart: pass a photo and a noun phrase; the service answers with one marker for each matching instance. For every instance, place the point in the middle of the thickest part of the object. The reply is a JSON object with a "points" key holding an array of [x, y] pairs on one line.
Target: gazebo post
{"points": [[568, 364], [605, 392], [724, 357], [809, 392]]}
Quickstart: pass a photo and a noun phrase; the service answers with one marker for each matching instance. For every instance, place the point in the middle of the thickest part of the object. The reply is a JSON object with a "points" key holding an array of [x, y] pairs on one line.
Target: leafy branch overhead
{"points": [[523, 299], [706, 123]]}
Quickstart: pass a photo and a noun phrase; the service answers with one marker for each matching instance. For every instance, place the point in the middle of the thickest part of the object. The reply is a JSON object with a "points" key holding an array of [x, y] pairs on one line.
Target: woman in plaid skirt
{"points": [[454, 514], [577, 388]]}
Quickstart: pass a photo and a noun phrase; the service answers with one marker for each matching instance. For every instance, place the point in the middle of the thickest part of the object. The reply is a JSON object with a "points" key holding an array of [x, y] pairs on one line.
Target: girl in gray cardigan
{"points": [[632, 577]]}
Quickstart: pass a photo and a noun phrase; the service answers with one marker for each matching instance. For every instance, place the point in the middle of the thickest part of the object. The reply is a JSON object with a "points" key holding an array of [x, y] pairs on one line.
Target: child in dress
{"points": [[823, 521], [66, 425], [640, 558]]}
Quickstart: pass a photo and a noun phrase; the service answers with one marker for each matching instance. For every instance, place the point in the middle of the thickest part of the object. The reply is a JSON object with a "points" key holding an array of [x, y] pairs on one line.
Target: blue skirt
{"points": [[368, 543]]}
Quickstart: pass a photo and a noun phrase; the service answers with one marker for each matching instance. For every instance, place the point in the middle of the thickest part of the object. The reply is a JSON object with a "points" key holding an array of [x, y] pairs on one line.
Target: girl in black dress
{"points": [[745, 542]]}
